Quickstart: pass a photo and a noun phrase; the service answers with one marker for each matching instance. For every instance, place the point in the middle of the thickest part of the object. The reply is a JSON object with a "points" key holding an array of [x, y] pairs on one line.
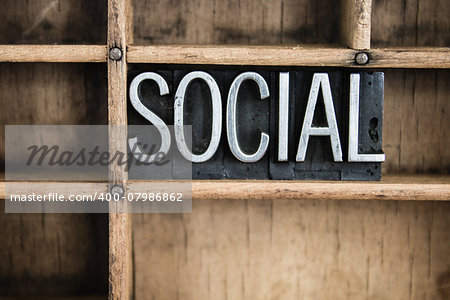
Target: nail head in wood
{"points": [[117, 189], [115, 53], [361, 58]]}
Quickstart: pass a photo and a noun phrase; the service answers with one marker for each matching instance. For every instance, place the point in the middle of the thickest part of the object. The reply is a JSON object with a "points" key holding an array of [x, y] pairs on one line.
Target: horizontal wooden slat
{"points": [[427, 58], [241, 55], [409, 187], [234, 55], [61, 188], [320, 190], [53, 53], [289, 56], [392, 188]]}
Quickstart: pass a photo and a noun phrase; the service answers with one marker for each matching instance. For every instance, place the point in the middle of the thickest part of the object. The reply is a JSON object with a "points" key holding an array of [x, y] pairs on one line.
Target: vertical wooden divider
{"points": [[356, 23], [120, 247]]}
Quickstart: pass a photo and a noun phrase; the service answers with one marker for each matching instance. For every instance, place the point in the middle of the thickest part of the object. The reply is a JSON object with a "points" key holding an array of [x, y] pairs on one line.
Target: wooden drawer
{"points": [[244, 239]]}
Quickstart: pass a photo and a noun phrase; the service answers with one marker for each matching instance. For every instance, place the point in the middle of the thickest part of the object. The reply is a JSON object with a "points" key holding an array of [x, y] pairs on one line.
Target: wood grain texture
{"points": [[245, 22], [53, 53], [53, 254], [416, 102], [231, 55], [356, 23], [391, 187], [265, 249], [411, 23], [120, 265], [241, 55], [117, 83], [51, 94], [313, 190], [289, 56], [416, 134], [53, 21], [248, 249], [419, 58]]}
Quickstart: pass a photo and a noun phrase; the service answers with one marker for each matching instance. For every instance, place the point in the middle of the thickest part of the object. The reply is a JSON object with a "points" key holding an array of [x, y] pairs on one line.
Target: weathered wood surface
{"points": [[52, 53], [53, 22], [411, 23], [120, 264], [44, 94], [395, 188], [246, 22], [394, 23], [391, 187], [249, 249], [290, 56], [416, 118], [117, 83], [356, 23], [420, 58], [53, 254], [238, 248], [242, 55], [416, 134], [232, 55], [47, 254], [89, 189], [266, 249]]}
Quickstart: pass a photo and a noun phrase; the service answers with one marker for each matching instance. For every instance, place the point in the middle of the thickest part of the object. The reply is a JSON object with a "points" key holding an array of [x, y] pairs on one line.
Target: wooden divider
{"points": [[356, 23], [120, 266]]}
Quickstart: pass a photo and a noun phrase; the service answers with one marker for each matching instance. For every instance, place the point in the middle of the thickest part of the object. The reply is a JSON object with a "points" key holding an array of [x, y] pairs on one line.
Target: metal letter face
{"points": [[150, 116], [283, 117], [340, 112], [320, 80], [232, 118], [353, 130], [216, 117]]}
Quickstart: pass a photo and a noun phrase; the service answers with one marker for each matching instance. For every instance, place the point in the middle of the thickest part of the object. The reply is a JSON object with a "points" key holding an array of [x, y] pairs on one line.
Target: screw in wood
{"points": [[117, 189], [361, 58], [115, 53]]}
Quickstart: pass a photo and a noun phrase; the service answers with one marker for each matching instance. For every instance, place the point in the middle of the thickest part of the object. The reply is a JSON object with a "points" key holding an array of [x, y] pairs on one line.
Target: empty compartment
{"points": [[412, 23], [53, 255], [53, 22], [51, 94], [294, 249], [243, 22], [57, 255], [416, 134]]}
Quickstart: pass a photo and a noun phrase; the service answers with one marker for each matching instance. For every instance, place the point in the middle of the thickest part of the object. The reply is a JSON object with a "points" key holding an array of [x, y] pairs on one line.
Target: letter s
{"points": [[149, 115]]}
